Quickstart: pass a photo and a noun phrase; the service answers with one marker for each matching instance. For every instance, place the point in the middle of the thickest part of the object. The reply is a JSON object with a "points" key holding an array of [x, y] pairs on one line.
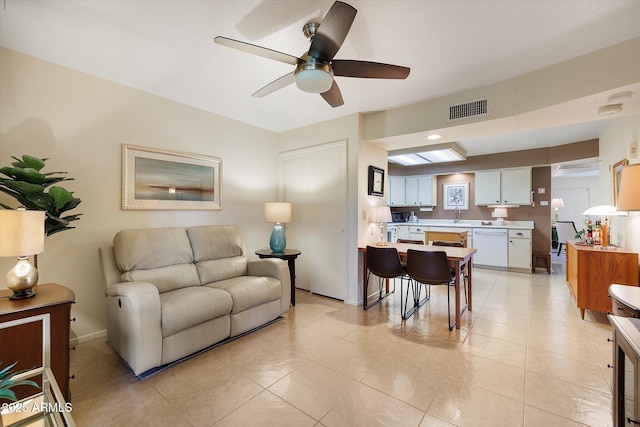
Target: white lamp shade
{"points": [[314, 81], [557, 203], [603, 210], [499, 213], [277, 212], [629, 196], [22, 232], [380, 214]]}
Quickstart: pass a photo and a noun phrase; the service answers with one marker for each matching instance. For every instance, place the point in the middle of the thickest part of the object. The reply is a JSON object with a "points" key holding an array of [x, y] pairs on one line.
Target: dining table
{"points": [[456, 256]]}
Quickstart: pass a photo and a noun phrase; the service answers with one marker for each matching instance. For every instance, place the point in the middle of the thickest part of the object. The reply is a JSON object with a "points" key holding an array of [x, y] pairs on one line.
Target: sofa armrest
{"points": [[278, 269], [134, 324]]}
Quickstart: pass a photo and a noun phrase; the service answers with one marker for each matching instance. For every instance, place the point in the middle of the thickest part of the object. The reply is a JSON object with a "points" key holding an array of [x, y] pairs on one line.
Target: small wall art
{"points": [[376, 181], [455, 195]]}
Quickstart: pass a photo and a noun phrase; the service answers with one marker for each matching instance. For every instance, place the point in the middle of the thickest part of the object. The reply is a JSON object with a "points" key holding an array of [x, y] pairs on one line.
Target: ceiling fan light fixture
{"points": [[314, 80]]}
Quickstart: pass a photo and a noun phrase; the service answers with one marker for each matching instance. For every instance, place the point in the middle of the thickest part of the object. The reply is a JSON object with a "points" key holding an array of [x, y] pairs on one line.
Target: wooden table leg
{"points": [[469, 286], [457, 287]]}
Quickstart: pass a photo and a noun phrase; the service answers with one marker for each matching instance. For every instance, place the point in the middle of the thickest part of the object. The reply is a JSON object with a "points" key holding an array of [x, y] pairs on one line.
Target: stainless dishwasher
{"points": [[492, 247]]}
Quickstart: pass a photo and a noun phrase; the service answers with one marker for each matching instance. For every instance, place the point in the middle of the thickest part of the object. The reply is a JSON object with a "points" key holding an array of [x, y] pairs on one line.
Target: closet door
{"points": [[314, 181]]}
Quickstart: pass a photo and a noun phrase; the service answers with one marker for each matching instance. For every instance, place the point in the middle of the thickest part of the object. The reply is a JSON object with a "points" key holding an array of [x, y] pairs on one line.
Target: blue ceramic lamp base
{"points": [[278, 241]]}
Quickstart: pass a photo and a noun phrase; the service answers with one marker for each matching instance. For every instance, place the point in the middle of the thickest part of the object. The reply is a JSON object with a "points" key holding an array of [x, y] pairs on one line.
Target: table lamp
{"points": [[629, 196], [280, 213], [22, 235], [381, 214], [555, 204], [501, 214]]}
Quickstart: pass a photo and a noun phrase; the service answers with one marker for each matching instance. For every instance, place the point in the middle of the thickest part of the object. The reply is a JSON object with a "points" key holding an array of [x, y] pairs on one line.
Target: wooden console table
{"points": [[24, 343], [590, 271]]}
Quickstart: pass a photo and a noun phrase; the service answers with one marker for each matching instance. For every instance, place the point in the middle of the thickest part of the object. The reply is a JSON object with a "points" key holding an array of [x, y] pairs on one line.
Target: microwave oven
{"points": [[398, 217]]}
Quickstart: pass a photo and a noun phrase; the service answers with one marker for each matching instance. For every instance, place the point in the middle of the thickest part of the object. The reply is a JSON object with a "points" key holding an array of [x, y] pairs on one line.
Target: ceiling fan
{"points": [[316, 68]]}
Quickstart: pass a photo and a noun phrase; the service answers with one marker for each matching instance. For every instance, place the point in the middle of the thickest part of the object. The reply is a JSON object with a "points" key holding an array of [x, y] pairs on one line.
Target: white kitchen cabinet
{"points": [[516, 186], [403, 232], [520, 250], [413, 190], [427, 190], [416, 232], [487, 185], [503, 187], [396, 191]]}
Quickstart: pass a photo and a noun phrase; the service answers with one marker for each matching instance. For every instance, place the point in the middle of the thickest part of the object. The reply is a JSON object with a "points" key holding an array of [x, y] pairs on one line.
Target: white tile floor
{"points": [[523, 357]]}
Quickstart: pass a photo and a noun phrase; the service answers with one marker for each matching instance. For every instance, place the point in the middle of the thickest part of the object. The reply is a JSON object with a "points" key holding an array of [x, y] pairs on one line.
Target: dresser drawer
{"points": [[622, 310]]}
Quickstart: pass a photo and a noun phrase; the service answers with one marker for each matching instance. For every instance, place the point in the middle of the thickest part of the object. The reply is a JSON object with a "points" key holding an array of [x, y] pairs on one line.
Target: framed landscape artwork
{"points": [[616, 171], [455, 196], [154, 179]]}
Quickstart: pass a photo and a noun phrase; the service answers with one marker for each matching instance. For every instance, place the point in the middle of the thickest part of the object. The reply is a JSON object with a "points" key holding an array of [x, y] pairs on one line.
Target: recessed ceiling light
{"points": [[619, 97], [610, 109], [434, 136]]}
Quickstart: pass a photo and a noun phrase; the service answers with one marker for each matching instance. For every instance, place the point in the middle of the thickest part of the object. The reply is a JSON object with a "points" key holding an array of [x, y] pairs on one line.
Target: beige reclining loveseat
{"points": [[173, 291]]}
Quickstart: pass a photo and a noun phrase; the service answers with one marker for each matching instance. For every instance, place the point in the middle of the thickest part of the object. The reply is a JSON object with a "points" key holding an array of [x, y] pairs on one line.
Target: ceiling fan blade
{"points": [[367, 69], [333, 96], [258, 50], [275, 85], [332, 31]]}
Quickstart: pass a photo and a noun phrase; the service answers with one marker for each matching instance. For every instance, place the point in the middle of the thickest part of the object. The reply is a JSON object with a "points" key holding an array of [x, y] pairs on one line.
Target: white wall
{"points": [[592, 186], [614, 146], [80, 122]]}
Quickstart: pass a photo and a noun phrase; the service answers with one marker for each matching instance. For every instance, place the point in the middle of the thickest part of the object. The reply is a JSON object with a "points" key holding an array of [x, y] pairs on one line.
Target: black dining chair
{"points": [[384, 263], [463, 269], [428, 268]]}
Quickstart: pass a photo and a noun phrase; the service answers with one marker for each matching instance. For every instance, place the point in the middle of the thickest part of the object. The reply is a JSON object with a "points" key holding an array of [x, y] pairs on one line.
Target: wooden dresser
{"points": [[24, 343], [591, 271]]}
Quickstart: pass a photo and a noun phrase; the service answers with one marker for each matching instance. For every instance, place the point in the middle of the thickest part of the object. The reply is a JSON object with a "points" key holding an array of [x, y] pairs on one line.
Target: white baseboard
{"points": [[88, 337]]}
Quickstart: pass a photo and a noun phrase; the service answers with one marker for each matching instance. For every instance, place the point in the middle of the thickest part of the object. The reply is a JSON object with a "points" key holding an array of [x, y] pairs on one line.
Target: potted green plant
{"points": [[7, 382], [35, 190]]}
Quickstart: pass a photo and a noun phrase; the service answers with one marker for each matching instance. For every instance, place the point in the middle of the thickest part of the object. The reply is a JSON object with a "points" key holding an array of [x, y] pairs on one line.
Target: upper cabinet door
{"points": [[427, 190], [411, 191], [516, 186], [396, 191], [487, 188]]}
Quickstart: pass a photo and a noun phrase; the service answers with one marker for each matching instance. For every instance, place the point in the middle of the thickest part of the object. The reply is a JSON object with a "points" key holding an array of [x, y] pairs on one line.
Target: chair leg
{"points": [[559, 248]]}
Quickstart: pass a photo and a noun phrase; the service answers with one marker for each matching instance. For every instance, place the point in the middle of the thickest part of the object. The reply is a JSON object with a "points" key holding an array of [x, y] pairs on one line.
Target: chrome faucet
{"points": [[456, 215]]}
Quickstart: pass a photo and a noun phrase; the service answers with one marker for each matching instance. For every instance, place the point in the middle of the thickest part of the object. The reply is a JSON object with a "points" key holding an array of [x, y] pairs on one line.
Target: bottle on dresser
{"points": [[589, 239]]}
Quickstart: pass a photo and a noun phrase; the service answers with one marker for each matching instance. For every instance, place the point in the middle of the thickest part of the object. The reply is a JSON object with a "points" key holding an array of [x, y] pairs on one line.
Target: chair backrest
{"points": [[447, 243], [415, 242], [384, 262], [429, 267], [566, 231]]}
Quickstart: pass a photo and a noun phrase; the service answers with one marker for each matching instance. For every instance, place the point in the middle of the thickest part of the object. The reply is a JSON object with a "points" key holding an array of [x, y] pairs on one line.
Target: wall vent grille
{"points": [[469, 109]]}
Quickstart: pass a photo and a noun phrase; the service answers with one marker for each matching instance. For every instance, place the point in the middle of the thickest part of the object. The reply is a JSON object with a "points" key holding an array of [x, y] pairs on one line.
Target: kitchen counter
{"points": [[512, 225]]}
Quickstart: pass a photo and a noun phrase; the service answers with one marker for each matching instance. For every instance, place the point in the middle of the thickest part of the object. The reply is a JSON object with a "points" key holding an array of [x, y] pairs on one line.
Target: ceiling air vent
{"points": [[469, 109]]}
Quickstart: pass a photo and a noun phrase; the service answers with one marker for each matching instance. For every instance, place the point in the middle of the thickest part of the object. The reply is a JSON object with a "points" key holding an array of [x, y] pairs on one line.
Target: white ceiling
{"points": [[165, 47]]}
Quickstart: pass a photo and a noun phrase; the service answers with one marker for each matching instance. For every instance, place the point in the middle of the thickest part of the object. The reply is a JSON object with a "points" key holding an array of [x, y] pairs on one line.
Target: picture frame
{"points": [[455, 196], [376, 181], [616, 173], [155, 179]]}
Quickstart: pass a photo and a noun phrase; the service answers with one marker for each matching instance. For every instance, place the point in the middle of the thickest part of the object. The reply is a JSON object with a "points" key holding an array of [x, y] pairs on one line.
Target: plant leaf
{"points": [[60, 196], [33, 162], [23, 187]]}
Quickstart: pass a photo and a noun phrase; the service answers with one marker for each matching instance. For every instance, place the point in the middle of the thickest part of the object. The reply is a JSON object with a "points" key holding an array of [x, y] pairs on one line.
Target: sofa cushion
{"points": [[187, 307], [162, 256], [165, 278], [249, 291], [218, 251], [151, 248]]}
